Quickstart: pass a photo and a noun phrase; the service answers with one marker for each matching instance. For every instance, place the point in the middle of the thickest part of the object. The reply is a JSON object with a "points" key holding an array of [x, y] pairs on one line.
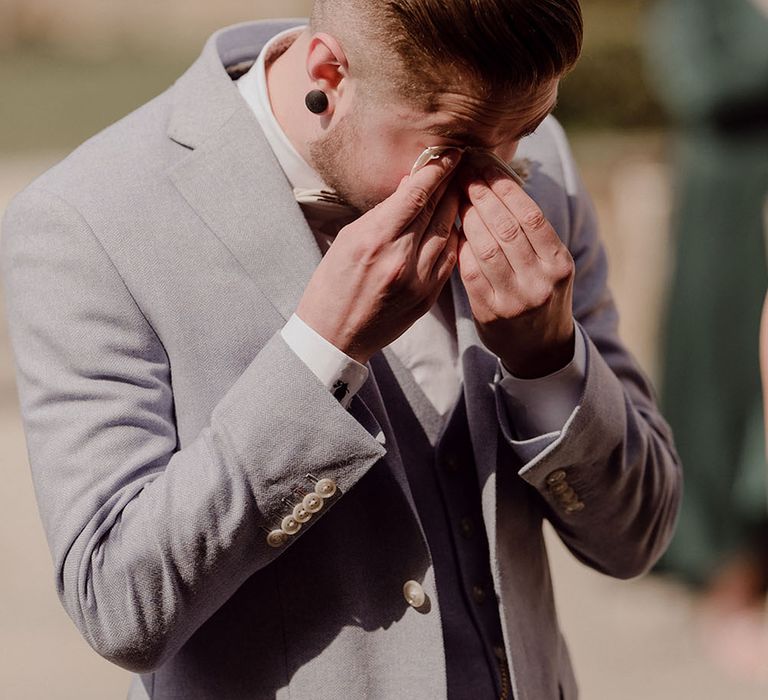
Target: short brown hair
{"points": [[501, 46]]}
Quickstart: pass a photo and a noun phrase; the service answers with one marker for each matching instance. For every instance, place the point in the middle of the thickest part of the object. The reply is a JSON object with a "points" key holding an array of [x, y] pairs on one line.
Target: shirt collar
{"points": [[253, 88]]}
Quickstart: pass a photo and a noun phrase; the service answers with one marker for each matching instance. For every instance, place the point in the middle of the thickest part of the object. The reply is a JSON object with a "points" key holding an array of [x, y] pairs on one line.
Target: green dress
{"points": [[709, 59]]}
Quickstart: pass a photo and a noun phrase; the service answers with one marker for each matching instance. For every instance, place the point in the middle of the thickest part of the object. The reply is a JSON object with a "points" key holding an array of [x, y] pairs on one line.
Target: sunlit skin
{"points": [[517, 273], [385, 142]]}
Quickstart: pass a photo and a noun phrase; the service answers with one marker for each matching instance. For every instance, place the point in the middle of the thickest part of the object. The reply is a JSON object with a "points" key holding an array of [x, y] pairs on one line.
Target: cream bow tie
{"points": [[326, 213], [324, 204]]}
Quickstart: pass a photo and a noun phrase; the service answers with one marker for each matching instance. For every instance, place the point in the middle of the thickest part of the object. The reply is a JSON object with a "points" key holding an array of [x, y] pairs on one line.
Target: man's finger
{"points": [[503, 225], [477, 285], [421, 223], [487, 251], [438, 232], [412, 195], [448, 258], [542, 236]]}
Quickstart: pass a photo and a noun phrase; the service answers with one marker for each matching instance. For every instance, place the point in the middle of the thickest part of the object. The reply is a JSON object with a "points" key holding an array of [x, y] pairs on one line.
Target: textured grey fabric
{"points": [[146, 278]]}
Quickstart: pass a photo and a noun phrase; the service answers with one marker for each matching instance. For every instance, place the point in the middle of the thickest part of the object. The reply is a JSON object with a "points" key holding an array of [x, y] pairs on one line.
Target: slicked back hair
{"points": [[423, 47]]}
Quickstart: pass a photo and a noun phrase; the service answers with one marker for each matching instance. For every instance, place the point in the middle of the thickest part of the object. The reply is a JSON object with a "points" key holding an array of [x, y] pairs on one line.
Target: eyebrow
{"points": [[464, 134], [456, 133]]}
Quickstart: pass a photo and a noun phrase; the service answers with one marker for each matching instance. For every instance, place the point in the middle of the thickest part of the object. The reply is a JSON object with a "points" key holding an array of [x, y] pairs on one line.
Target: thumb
{"points": [[414, 192]]}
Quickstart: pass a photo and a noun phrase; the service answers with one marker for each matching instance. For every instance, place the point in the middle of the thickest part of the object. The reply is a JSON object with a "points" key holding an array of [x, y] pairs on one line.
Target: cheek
{"points": [[382, 165], [382, 185]]}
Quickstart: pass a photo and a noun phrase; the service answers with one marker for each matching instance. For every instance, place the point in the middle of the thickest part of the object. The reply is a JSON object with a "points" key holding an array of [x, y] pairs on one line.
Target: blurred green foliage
{"points": [[609, 87], [55, 97]]}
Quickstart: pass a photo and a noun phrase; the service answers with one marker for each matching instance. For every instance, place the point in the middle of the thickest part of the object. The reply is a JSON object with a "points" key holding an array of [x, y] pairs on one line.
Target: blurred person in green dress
{"points": [[709, 61]]}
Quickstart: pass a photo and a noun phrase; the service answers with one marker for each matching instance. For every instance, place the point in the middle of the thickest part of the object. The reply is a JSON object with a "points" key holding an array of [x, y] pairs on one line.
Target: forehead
{"points": [[476, 122]]}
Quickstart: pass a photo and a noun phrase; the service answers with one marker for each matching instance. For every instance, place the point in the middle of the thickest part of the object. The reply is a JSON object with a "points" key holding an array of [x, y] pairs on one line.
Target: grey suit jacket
{"points": [[147, 276]]}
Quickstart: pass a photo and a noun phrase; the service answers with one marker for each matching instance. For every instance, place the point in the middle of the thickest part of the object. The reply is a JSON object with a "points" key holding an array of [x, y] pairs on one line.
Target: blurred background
{"points": [[667, 113]]}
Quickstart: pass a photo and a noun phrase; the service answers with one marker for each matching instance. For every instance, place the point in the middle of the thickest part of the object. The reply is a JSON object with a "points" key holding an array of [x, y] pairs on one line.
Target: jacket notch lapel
{"points": [[235, 184]]}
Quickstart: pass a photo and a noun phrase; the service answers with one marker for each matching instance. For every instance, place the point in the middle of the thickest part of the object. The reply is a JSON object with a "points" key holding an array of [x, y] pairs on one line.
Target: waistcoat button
{"points": [[478, 593], [467, 526], [452, 464]]}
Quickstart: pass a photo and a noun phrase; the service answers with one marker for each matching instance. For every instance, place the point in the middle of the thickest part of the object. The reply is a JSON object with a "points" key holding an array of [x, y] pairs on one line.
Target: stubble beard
{"points": [[335, 157]]}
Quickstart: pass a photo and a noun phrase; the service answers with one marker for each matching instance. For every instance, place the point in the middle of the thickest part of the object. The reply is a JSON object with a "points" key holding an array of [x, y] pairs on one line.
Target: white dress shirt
{"points": [[538, 408]]}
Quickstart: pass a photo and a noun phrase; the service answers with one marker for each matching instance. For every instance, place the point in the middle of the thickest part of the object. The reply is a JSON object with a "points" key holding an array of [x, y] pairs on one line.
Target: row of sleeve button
{"points": [[558, 485], [310, 504]]}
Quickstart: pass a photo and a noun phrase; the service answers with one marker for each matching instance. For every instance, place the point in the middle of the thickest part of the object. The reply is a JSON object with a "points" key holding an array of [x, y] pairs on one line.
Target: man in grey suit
{"points": [[293, 431]]}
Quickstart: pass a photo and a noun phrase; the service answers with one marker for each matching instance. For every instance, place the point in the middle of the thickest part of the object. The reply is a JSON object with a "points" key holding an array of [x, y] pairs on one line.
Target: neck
{"points": [[287, 85]]}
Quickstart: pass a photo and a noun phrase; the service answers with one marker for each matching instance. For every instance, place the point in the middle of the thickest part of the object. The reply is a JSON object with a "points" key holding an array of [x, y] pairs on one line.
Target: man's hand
{"points": [[761, 5], [387, 268], [518, 276]]}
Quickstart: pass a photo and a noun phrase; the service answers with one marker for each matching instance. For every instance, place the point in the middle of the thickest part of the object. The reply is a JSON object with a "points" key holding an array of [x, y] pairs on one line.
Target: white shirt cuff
{"points": [[342, 375], [540, 407]]}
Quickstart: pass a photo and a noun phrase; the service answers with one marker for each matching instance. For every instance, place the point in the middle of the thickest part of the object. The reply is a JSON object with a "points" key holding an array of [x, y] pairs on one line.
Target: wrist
{"points": [[540, 362], [336, 337]]}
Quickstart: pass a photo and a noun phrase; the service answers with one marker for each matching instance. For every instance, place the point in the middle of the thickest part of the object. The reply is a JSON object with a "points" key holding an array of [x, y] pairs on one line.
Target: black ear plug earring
{"points": [[316, 101]]}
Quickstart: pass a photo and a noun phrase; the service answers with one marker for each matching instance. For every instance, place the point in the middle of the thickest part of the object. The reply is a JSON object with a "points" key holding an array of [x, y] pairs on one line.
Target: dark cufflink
{"points": [[340, 390]]}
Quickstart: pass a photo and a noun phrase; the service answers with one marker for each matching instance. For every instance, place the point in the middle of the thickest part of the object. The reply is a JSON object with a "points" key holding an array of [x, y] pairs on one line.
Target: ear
{"points": [[327, 64]]}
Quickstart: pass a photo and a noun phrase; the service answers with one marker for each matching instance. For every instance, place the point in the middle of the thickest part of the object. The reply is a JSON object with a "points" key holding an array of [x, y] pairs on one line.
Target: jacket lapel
{"points": [[237, 187], [233, 180]]}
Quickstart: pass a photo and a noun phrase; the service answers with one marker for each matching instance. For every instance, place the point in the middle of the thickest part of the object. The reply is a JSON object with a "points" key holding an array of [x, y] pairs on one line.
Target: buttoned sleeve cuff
{"points": [[341, 374], [532, 412]]}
